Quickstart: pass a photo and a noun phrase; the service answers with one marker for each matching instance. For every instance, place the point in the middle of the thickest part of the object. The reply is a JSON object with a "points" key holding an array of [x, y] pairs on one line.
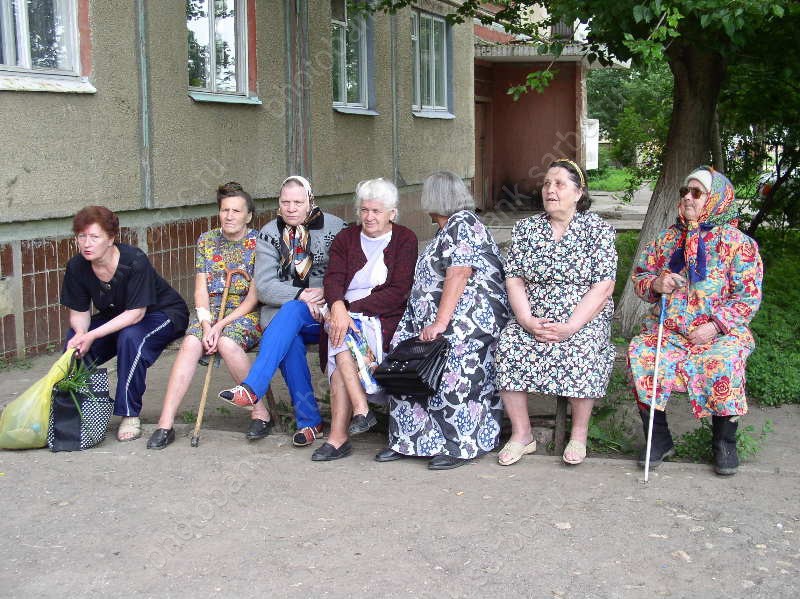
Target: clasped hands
{"points": [[547, 330], [313, 298], [666, 283]]}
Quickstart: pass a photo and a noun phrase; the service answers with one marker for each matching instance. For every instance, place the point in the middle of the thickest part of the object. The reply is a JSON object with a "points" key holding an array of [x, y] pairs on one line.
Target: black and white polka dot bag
{"points": [[73, 429]]}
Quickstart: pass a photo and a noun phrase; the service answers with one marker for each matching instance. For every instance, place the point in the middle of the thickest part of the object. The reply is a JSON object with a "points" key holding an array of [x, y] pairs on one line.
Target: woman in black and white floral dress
{"points": [[458, 292], [560, 275]]}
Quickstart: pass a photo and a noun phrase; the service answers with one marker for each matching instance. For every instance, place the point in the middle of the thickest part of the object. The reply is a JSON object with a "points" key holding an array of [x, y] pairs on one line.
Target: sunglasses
{"points": [[696, 192]]}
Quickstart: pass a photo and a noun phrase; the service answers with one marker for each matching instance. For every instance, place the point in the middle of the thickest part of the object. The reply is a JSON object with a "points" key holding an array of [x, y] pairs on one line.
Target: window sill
{"points": [[434, 114], [356, 110], [223, 98], [64, 84]]}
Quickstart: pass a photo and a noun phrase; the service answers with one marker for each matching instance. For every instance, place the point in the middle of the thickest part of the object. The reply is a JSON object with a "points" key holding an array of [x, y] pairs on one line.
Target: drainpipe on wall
{"points": [[298, 110], [396, 176], [145, 125]]}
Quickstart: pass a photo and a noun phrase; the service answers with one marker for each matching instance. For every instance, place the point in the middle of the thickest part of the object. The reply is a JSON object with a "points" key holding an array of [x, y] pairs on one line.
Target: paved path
{"points": [[232, 519], [623, 216]]}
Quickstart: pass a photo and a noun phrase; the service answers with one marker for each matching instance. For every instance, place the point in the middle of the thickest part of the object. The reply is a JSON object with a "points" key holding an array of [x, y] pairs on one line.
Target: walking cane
{"points": [[655, 385], [228, 276]]}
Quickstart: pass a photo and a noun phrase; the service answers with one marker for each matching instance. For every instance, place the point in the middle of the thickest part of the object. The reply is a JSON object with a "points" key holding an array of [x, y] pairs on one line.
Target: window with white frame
{"points": [[218, 37], [430, 62], [40, 36], [349, 36]]}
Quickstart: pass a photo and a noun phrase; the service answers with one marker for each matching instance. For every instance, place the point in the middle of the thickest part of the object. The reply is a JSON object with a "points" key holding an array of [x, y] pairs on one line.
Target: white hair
{"points": [[379, 190], [445, 193]]}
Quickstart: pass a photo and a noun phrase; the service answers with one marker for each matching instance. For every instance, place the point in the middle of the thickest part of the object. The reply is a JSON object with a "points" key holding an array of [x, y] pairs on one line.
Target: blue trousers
{"points": [[137, 347], [283, 345]]}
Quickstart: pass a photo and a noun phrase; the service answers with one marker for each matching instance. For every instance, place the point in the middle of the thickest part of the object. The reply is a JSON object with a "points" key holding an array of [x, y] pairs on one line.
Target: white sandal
{"points": [[576, 448], [515, 452], [130, 429]]}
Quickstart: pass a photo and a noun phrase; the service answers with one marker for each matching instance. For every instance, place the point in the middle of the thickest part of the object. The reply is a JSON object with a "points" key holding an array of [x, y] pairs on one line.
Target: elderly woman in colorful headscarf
{"points": [[291, 258], [711, 274]]}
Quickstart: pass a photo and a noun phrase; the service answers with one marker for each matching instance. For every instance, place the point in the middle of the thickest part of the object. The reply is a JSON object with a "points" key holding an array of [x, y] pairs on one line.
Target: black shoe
{"points": [[389, 455], [361, 423], [726, 458], [662, 446], [446, 462], [258, 429], [327, 452], [160, 438]]}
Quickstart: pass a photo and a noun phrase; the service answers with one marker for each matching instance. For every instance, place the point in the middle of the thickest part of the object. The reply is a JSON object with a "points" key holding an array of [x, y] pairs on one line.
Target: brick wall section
{"points": [[170, 247], [8, 337]]}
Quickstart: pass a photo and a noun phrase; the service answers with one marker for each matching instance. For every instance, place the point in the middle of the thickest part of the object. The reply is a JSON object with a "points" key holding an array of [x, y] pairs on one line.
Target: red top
{"points": [[387, 301]]}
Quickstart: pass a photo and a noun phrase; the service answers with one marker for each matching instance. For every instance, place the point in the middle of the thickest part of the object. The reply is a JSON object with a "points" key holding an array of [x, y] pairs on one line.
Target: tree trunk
{"points": [[698, 76], [717, 154]]}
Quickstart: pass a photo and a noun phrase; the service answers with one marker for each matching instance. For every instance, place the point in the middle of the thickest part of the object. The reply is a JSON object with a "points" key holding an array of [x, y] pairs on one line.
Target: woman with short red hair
{"points": [[136, 312]]}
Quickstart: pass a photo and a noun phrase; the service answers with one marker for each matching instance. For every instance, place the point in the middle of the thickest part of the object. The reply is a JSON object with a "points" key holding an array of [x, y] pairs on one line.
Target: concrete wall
{"points": [[59, 152]]}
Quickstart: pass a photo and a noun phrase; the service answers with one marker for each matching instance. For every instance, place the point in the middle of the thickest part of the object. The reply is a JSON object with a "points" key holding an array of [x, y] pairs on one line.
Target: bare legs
{"points": [[516, 407], [347, 398], [183, 370]]}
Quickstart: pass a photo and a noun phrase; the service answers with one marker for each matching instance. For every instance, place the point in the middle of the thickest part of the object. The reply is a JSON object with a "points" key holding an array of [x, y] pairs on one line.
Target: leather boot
{"points": [[723, 444], [662, 446]]}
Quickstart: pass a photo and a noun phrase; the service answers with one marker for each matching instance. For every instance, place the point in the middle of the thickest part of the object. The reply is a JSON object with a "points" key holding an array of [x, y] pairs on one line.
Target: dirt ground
{"points": [[232, 518]]}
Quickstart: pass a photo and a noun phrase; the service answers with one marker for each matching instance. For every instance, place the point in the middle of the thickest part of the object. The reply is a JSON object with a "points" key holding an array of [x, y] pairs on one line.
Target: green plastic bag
{"points": [[23, 424]]}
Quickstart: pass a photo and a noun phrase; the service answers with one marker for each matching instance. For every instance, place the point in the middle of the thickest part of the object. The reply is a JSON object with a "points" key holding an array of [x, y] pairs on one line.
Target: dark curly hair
{"points": [[578, 176], [232, 189], [96, 215]]}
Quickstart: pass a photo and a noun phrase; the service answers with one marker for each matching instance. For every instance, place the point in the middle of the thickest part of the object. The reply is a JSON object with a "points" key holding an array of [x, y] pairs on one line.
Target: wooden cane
{"points": [[228, 276]]}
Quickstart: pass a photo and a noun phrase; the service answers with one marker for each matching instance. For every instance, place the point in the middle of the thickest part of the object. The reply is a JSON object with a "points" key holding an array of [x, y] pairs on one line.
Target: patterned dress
{"points": [[463, 419], [215, 253], [714, 374], [557, 274]]}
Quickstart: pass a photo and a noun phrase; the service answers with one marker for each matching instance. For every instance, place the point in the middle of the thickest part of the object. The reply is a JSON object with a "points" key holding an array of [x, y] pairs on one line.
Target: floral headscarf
{"points": [[719, 209]]}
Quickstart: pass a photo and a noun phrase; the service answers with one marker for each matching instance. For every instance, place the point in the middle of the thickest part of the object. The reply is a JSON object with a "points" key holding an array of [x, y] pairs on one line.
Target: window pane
{"points": [[354, 62], [8, 37], [439, 64], [47, 33], [225, 44], [197, 25], [425, 61], [339, 11], [336, 70], [415, 59]]}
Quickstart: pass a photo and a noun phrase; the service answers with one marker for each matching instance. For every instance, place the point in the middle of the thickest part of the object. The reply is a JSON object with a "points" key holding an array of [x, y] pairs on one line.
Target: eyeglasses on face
{"points": [[696, 192]]}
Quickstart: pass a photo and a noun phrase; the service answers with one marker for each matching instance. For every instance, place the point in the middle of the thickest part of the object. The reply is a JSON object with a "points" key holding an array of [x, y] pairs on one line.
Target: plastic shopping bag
{"points": [[23, 424]]}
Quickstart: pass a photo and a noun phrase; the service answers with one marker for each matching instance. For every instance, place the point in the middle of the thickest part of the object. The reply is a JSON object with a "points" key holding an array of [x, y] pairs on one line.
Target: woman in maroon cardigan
{"points": [[369, 276]]}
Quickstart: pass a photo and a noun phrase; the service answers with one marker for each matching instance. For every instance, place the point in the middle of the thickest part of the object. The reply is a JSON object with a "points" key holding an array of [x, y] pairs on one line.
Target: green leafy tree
{"points": [[698, 39]]}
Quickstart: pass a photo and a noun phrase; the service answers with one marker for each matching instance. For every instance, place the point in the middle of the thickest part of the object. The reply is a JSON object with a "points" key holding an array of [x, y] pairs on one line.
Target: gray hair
{"points": [[379, 190], [445, 193]]}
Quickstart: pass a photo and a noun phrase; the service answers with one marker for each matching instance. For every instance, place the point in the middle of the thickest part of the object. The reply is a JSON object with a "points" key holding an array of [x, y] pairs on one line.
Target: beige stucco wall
{"points": [[197, 145], [428, 145], [62, 151], [347, 148], [59, 152]]}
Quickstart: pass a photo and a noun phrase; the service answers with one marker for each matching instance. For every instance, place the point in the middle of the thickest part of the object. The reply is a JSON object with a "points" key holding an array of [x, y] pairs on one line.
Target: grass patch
{"points": [[695, 446], [773, 370], [610, 179]]}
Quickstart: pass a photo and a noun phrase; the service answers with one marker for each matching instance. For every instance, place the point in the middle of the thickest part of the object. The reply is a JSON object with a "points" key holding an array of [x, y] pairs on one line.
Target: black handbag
{"points": [[79, 420], [414, 367]]}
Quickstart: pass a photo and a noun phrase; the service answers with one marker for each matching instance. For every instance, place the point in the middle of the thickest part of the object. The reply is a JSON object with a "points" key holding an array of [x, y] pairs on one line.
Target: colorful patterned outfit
{"points": [[215, 253], [557, 274], [724, 271], [463, 419]]}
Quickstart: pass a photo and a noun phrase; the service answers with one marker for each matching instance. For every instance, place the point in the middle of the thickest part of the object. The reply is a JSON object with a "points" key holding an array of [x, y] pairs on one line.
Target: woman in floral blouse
{"points": [[231, 246], [711, 274], [560, 275]]}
